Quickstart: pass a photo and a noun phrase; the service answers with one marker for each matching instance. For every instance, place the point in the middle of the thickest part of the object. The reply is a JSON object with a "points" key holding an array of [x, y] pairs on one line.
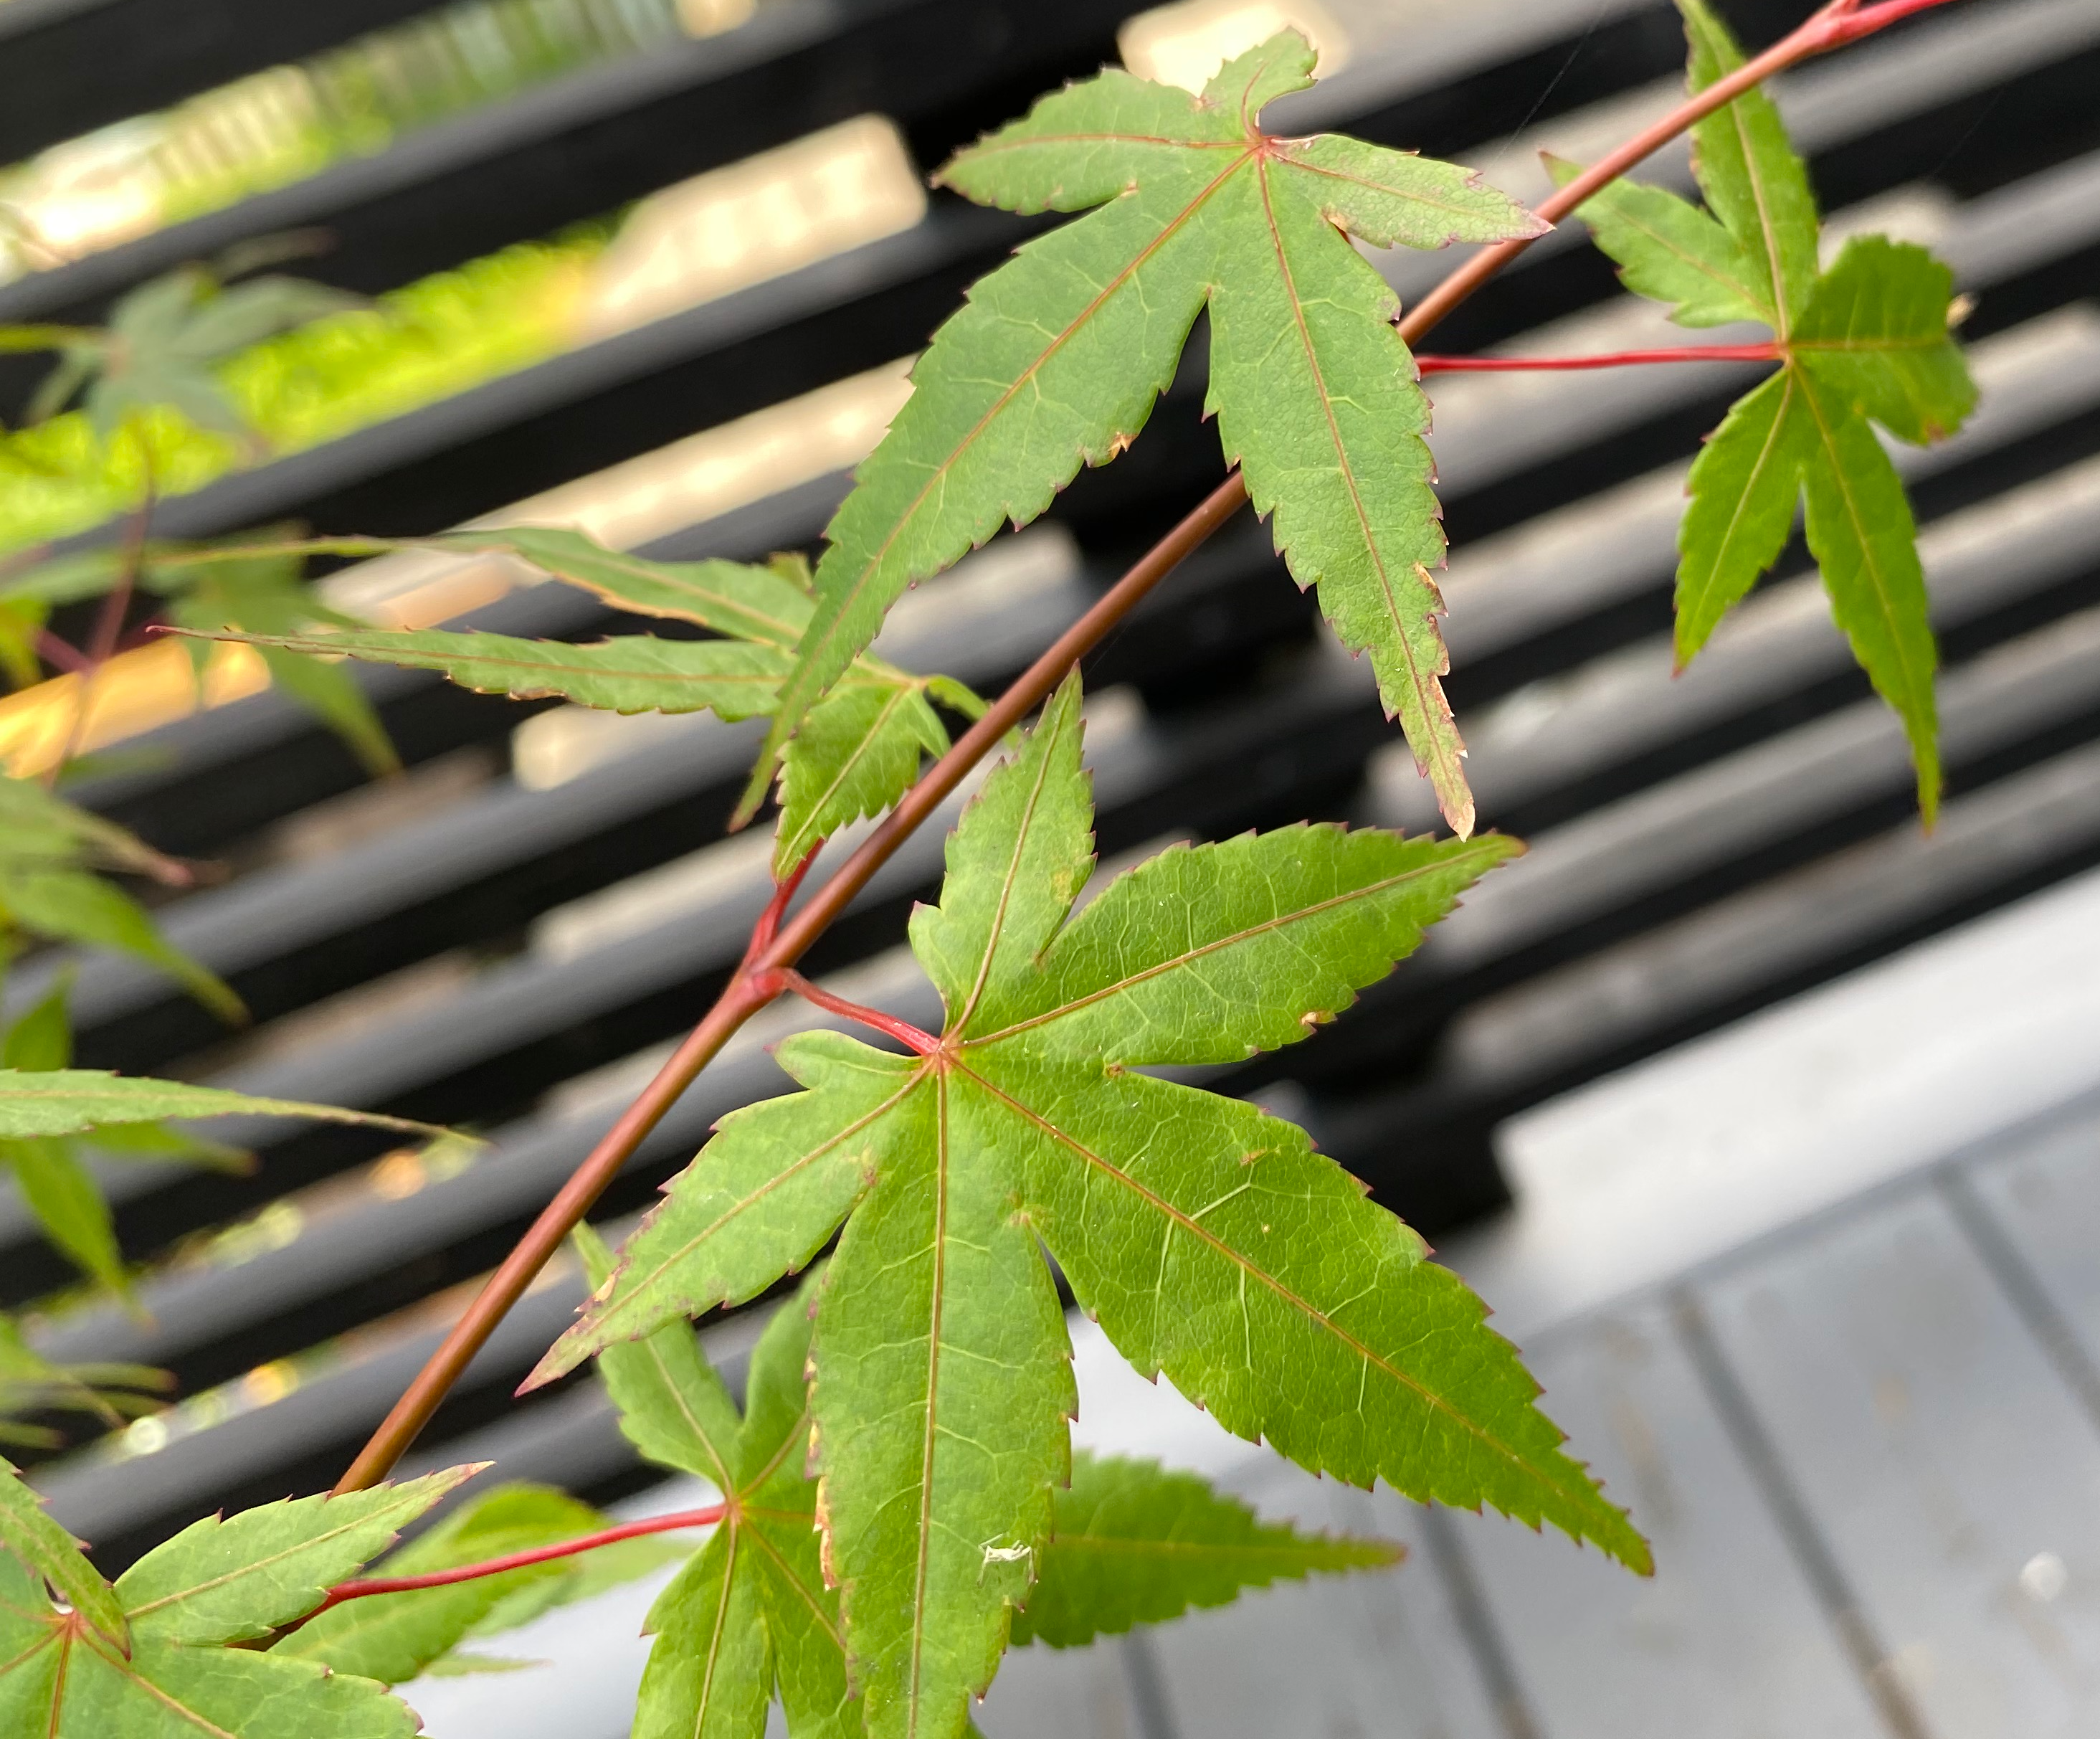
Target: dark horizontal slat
{"points": [[1660, 989], [218, 775], [609, 401], [112, 1498], [68, 67], [586, 144], [1542, 752], [124, 1503], [1803, 781]]}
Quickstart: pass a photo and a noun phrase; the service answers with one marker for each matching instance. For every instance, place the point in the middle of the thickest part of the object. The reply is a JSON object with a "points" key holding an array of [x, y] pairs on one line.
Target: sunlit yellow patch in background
{"points": [[1185, 43]]}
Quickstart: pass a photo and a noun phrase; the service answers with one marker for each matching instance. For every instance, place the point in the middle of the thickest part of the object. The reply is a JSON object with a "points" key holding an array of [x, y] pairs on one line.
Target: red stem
{"points": [[1608, 359], [746, 994], [1853, 22], [109, 623], [518, 1560], [903, 1031], [62, 653], [768, 925]]}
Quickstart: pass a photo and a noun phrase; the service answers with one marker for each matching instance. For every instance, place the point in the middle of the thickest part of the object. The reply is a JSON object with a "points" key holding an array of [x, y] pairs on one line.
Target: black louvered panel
{"points": [[73, 65], [1700, 847]]}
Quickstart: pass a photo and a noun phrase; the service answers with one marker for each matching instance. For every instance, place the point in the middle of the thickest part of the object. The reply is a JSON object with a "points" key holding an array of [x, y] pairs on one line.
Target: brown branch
{"points": [[753, 986]]}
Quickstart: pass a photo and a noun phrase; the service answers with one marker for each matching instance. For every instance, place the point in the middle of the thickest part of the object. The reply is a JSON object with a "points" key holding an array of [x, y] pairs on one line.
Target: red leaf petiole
{"points": [[518, 1560], [1607, 359], [768, 925], [903, 1031], [62, 653]]}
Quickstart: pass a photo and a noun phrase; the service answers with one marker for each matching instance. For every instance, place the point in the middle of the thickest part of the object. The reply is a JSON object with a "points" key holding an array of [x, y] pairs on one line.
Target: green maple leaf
{"points": [[395, 1637], [751, 1618], [1136, 1543], [50, 851], [31, 1383], [72, 1101], [1866, 342], [149, 1658], [860, 749], [1055, 359], [1209, 1238], [163, 343], [52, 1117], [42, 1552]]}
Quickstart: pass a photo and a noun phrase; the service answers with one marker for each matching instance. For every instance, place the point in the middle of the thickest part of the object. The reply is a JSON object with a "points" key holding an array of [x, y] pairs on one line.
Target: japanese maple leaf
{"points": [[1209, 1239], [750, 1616], [859, 750], [1055, 359], [1866, 342], [157, 1656]]}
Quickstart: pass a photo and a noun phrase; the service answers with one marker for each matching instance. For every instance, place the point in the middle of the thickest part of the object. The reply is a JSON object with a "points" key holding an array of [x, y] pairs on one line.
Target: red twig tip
{"points": [[1849, 23], [518, 1560]]}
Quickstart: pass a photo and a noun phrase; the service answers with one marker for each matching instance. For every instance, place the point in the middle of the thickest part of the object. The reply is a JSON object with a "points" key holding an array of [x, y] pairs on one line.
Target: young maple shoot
{"points": [[1866, 341], [161, 346], [1055, 359], [1273, 1292]]}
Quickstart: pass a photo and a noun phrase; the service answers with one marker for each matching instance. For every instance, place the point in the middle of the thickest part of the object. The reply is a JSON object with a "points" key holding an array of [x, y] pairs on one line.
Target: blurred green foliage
{"points": [[441, 335]]}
